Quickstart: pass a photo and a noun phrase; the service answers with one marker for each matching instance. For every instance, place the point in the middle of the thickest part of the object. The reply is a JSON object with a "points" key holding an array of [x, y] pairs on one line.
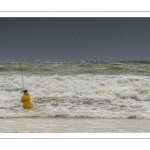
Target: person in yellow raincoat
{"points": [[25, 99]]}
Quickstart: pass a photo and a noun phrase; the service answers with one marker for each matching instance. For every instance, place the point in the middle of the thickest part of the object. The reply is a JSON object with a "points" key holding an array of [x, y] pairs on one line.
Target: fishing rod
{"points": [[20, 70]]}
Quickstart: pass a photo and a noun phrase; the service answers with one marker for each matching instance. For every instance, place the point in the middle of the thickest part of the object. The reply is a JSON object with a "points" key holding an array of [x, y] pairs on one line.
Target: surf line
{"points": [[20, 70]]}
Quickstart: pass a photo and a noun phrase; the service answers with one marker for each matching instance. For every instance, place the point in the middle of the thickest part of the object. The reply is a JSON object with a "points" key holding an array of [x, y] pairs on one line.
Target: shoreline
{"points": [[73, 125]]}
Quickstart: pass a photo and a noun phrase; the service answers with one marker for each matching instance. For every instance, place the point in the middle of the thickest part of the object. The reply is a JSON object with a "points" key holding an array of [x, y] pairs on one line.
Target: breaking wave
{"points": [[85, 95]]}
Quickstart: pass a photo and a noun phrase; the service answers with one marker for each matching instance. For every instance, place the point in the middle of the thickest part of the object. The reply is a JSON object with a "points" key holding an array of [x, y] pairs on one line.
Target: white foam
{"points": [[108, 96]]}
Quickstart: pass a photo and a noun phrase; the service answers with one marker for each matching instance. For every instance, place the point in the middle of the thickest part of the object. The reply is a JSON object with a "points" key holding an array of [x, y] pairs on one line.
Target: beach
{"points": [[73, 125]]}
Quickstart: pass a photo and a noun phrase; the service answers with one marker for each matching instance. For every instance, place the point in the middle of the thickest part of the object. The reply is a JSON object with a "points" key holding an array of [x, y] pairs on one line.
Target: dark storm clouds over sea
{"points": [[75, 38]]}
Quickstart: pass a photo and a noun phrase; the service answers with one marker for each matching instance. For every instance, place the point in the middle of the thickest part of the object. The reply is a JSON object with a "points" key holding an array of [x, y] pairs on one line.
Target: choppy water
{"points": [[77, 89]]}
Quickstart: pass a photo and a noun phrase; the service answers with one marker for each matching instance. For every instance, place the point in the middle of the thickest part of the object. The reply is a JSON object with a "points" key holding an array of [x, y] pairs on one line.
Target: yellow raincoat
{"points": [[25, 99]]}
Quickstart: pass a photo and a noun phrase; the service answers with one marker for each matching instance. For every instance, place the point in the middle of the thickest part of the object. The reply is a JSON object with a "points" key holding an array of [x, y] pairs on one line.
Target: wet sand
{"points": [[73, 125]]}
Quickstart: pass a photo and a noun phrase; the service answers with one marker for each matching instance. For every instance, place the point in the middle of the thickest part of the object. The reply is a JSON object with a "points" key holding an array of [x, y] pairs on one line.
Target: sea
{"points": [[75, 96]]}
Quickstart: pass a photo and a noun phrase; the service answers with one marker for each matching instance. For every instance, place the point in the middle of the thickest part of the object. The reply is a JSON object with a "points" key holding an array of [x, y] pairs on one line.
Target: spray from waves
{"points": [[105, 96]]}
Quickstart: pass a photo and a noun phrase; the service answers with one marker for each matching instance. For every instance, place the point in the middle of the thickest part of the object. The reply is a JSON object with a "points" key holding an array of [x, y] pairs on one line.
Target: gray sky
{"points": [[75, 38]]}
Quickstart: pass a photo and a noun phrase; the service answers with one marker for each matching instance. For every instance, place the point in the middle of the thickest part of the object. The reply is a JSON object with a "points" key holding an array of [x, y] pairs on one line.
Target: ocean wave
{"points": [[76, 67], [105, 96]]}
